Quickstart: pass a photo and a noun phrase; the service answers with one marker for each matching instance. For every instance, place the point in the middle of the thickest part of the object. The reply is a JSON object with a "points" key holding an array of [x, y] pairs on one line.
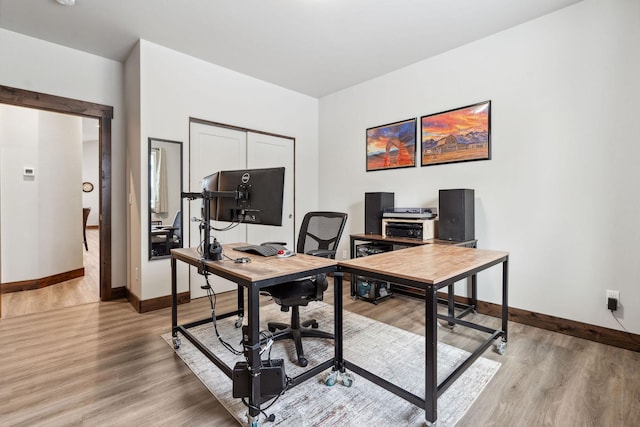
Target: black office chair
{"points": [[85, 216], [319, 236], [170, 238]]}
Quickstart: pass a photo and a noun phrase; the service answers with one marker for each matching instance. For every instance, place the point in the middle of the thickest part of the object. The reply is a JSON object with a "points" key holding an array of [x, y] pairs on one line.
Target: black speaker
{"points": [[374, 205], [456, 215]]}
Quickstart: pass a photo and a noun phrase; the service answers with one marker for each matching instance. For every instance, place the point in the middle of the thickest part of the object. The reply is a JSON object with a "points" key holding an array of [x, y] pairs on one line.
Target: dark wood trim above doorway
{"points": [[104, 114]]}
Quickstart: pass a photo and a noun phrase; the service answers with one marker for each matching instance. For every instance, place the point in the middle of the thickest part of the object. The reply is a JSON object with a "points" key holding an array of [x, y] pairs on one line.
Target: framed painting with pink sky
{"points": [[459, 135], [392, 146]]}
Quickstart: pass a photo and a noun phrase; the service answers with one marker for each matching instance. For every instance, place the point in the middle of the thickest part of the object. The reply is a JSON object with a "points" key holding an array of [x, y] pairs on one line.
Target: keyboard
{"points": [[264, 250]]}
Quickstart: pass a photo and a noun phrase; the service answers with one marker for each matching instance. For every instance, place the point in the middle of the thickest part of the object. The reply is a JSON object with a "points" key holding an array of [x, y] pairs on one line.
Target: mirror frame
{"points": [[151, 146]]}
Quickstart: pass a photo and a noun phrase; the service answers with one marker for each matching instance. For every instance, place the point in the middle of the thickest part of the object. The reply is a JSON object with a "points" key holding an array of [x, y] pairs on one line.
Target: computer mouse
{"points": [[242, 260], [284, 253]]}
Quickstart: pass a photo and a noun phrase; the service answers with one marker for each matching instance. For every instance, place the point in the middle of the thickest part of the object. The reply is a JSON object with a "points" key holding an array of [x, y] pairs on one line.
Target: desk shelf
{"points": [[372, 290], [365, 288]]}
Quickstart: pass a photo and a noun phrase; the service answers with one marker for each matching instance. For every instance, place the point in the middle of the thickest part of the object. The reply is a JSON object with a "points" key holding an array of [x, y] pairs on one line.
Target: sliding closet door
{"points": [[212, 149], [265, 151]]}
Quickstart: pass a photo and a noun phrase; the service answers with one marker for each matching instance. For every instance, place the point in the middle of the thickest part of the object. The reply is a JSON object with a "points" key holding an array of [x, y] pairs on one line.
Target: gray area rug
{"points": [[392, 353]]}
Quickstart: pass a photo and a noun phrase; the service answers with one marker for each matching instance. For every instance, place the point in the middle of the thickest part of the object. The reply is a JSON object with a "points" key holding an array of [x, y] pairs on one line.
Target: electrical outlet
{"points": [[613, 294]]}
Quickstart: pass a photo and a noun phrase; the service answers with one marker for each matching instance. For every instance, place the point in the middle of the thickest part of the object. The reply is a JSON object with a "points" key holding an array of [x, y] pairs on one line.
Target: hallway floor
{"points": [[77, 291]]}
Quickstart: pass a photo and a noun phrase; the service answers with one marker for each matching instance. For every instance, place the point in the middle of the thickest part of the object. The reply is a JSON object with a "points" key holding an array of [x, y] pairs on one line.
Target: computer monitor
{"points": [[210, 183], [261, 191]]}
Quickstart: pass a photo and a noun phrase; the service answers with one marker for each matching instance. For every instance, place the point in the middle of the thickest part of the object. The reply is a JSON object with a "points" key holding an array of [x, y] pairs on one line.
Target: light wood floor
{"points": [[103, 364], [81, 290]]}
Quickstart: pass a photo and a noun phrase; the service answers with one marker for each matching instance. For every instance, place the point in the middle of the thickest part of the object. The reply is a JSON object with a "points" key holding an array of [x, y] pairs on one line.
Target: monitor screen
{"points": [[210, 183], [263, 188]]}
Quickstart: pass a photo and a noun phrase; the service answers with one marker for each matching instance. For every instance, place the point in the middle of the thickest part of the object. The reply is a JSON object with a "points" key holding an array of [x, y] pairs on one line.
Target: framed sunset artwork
{"points": [[459, 135], [392, 146]]}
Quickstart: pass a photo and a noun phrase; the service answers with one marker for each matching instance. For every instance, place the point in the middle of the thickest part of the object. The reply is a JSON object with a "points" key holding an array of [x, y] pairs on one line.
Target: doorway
{"points": [[104, 115]]}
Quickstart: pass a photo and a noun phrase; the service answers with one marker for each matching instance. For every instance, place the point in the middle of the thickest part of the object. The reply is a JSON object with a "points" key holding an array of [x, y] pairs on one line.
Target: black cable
{"points": [[232, 225], [228, 257], [616, 319], [268, 337], [212, 301], [271, 417], [228, 227]]}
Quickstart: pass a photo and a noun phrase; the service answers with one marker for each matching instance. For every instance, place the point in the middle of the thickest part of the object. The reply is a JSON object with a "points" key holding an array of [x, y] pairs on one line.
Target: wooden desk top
{"points": [[161, 231], [260, 268], [430, 264]]}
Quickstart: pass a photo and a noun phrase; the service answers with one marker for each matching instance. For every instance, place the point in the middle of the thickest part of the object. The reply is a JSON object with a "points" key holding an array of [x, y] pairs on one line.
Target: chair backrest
{"points": [[177, 224], [85, 216], [321, 230]]}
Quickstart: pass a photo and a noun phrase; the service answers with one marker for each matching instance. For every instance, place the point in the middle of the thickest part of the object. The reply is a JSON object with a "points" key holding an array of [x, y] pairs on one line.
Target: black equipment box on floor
{"points": [[272, 379], [365, 288]]}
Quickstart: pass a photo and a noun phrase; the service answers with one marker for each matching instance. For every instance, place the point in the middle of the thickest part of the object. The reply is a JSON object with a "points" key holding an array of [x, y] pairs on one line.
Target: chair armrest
{"points": [[325, 253], [321, 285]]}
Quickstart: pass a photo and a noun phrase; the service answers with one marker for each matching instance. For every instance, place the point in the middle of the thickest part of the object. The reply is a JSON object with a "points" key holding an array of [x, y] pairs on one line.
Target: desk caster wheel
{"points": [[332, 379], [302, 362], [347, 379], [238, 322], [501, 347], [176, 342]]}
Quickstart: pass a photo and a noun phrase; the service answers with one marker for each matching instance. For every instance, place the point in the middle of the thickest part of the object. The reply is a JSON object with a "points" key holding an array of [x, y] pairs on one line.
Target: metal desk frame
{"points": [[432, 389], [252, 339]]}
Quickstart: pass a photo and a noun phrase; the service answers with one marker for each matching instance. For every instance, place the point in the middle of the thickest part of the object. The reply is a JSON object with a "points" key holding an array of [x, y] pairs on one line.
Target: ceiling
{"points": [[315, 47]]}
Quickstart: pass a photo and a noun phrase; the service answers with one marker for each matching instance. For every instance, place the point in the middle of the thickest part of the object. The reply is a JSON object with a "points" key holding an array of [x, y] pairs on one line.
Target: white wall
{"points": [[559, 193], [81, 76], [174, 87], [133, 171], [41, 214], [18, 148]]}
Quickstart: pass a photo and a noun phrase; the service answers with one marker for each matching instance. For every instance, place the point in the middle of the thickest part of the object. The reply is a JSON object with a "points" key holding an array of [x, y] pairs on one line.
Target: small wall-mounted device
{"points": [[29, 172]]}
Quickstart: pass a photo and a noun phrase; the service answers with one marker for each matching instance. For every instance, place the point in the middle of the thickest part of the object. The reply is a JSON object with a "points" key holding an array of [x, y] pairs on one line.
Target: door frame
{"points": [[104, 114]]}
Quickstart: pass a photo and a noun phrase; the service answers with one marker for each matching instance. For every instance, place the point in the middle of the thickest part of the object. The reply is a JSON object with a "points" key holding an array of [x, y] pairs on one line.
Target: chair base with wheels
{"points": [[296, 330]]}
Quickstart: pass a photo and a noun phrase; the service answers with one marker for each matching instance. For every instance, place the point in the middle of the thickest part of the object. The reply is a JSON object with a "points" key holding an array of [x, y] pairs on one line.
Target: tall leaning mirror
{"points": [[165, 203]]}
